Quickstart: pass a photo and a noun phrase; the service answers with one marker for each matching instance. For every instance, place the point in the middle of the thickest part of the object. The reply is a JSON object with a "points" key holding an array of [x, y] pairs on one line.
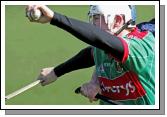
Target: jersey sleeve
{"points": [[84, 59], [92, 35], [141, 52]]}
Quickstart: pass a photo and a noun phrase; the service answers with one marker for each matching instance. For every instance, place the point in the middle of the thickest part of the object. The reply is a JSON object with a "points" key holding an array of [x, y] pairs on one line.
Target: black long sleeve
{"points": [[91, 34], [83, 59]]}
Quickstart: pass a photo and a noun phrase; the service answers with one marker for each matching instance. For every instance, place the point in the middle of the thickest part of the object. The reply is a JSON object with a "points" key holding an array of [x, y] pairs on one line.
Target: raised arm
{"points": [[86, 32]]}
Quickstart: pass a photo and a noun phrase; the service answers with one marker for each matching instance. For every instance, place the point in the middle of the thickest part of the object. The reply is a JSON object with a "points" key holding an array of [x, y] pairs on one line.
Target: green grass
{"points": [[29, 47]]}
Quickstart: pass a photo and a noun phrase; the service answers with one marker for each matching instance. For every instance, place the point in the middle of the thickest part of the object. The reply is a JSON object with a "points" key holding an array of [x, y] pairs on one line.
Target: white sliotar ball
{"points": [[36, 14]]}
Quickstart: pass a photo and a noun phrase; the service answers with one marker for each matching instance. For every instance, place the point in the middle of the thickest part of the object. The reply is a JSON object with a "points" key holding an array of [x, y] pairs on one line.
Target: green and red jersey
{"points": [[132, 81]]}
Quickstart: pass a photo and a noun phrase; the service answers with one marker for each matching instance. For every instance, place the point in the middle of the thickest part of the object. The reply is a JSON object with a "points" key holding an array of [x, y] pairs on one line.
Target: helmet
{"points": [[109, 12]]}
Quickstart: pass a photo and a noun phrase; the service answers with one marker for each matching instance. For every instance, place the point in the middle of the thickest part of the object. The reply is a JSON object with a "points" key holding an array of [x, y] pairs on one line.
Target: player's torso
{"points": [[119, 83]]}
